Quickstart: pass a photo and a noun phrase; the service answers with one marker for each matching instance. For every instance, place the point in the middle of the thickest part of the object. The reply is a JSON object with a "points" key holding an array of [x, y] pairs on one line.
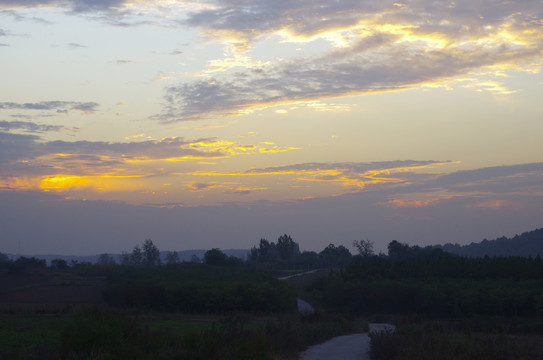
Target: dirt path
{"points": [[348, 347]]}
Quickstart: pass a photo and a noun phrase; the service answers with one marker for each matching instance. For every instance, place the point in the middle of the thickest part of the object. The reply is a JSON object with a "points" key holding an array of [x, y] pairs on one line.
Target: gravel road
{"points": [[348, 347]]}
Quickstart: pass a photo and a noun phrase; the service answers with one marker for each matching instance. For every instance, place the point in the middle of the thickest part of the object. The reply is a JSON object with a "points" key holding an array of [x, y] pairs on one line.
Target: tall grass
{"points": [[442, 342], [98, 333]]}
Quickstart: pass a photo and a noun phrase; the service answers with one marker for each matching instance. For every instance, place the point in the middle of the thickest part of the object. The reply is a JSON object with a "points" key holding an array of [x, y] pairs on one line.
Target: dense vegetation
{"points": [[437, 284], [446, 306], [526, 244], [196, 288]]}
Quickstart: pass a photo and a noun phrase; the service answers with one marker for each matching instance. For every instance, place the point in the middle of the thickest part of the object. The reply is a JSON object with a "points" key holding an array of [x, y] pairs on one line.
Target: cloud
{"points": [[376, 47], [124, 62], [497, 179], [76, 46], [77, 6], [314, 79], [491, 188], [58, 106], [26, 155], [28, 126]]}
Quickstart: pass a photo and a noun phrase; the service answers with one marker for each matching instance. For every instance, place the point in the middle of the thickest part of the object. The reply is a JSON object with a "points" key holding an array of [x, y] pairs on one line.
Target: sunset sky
{"points": [[215, 123]]}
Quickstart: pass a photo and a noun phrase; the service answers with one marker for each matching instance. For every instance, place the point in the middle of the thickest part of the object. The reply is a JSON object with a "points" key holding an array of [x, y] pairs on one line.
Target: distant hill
{"points": [[527, 244], [184, 255]]}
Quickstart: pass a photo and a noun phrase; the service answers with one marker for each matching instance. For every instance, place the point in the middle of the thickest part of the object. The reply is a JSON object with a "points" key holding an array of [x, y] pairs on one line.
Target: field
{"points": [[82, 313]]}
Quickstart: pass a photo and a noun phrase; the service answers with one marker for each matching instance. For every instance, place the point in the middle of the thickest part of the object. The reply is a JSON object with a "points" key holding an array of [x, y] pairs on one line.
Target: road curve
{"points": [[347, 347]]}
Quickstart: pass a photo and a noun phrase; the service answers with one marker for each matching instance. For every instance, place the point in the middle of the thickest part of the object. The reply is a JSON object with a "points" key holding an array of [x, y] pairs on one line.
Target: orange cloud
{"points": [[103, 183]]}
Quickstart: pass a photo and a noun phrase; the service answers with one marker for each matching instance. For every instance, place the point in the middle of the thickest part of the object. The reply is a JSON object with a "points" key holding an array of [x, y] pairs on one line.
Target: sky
{"points": [[215, 123]]}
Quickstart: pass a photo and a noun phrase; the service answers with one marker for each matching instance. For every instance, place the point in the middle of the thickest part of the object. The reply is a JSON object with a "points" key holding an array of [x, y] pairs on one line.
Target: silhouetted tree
{"points": [[105, 259], [286, 247], [24, 262], [364, 247], [125, 258], [215, 257], [195, 259], [335, 255], [172, 257], [59, 264], [151, 254], [136, 257], [398, 250]]}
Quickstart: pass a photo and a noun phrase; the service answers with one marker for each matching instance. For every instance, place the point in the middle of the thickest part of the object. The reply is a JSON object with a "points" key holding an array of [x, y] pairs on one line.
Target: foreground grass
{"points": [[97, 333], [469, 339]]}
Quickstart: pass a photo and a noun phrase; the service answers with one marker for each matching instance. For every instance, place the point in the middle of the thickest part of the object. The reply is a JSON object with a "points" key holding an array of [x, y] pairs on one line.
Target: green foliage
{"points": [[413, 342], [105, 259], [5, 262], [444, 286], [285, 254], [151, 254], [215, 257], [192, 287], [528, 244], [24, 263], [335, 255], [21, 337], [99, 332], [172, 257], [59, 264]]}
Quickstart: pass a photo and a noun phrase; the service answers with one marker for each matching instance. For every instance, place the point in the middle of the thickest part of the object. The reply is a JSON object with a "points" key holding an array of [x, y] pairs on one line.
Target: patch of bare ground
{"points": [[49, 290]]}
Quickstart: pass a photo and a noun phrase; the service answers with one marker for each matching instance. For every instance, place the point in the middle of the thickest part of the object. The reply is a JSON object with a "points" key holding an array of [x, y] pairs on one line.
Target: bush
{"points": [[95, 331]]}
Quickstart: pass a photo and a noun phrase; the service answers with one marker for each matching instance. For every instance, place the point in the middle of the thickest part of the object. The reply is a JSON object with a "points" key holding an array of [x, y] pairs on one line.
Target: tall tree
{"points": [[151, 254], [286, 247], [215, 257], [364, 247], [105, 259], [398, 250], [172, 257], [136, 257]]}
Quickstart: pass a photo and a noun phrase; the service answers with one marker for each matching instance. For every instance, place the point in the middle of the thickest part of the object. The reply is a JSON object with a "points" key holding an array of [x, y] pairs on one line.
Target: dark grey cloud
{"points": [[28, 126], [14, 147], [2, 44], [152, 149], [96, 5], [359, 167], [339, 73], [59, 106], [42, 156], [77, 6], [497, 179], [372, 62], [76, 45], [308, 17]]}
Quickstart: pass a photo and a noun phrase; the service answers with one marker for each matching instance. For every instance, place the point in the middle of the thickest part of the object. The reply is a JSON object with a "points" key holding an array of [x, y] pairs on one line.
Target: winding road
{"points": [[347, 347]]}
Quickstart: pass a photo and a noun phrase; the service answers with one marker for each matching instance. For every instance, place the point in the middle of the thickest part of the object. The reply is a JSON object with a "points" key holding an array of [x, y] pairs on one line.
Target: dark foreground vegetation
{"points": [[445, 306], [217, 308]]}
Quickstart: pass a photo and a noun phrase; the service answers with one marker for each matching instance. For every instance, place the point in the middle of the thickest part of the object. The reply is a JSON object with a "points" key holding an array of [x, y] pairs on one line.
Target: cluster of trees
{"points": [[147, 255], [188, 287], [284, 250], [430, 281], [285, 253], [21, 263], [527, 244]]}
